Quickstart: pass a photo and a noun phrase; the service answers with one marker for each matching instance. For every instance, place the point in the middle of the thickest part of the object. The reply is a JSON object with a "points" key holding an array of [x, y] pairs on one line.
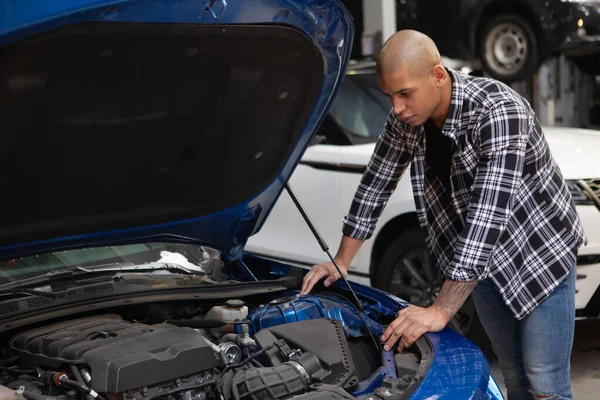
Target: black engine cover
{"points": [[121, 355]]}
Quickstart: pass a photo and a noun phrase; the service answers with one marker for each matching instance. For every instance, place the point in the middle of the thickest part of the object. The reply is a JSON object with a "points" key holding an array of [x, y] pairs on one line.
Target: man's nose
{"points": [[399, 106]]}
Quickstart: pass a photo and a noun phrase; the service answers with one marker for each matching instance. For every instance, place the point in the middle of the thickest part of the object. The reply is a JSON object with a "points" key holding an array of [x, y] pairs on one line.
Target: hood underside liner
{"points": [[108, 126]]}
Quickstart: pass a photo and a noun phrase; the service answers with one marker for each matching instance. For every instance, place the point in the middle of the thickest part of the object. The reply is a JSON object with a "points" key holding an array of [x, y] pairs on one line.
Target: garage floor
{"points": [[585, 362]]}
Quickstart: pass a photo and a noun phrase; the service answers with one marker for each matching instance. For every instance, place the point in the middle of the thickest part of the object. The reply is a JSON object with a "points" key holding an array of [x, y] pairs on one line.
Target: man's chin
{"points": [[415, 121]]}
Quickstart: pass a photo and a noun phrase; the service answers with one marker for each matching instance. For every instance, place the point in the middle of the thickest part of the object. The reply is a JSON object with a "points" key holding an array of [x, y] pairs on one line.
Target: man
{"points": [[497, 214]]}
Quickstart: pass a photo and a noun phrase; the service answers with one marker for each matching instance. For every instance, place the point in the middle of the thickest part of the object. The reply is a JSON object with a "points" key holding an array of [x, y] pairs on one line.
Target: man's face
{"points": [[414, 96]]}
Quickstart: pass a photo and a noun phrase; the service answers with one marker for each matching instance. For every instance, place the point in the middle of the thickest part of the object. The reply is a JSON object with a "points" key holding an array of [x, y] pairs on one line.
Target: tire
{"points": [[406, 270], [508, 48]]}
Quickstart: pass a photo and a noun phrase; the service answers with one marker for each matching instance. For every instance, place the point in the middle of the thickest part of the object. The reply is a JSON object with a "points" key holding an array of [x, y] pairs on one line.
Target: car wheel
{"points": [[508, 48], [407, 271]]}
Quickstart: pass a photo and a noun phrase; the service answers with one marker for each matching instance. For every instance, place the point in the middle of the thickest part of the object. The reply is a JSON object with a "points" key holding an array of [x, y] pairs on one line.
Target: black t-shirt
{"points": [[438, 153]]}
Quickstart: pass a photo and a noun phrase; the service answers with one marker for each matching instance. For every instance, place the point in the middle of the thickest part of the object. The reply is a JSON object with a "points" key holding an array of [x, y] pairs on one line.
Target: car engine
{"points": [[306, 355]]}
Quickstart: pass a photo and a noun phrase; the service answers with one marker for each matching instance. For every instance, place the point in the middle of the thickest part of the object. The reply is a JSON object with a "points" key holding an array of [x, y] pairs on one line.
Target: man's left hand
{"points": [[411, 323]]}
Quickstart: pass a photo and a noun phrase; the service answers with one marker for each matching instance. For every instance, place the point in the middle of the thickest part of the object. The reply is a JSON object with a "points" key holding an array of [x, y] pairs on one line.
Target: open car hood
{"points": [[127, 121]]}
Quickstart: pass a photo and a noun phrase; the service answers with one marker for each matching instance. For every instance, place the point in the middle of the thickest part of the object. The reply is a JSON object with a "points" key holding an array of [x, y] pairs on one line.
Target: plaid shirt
{"points": [[509, 216]]}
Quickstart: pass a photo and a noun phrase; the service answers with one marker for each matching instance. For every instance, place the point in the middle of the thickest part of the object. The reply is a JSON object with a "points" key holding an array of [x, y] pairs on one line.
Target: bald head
{"points": [[408, 49]]}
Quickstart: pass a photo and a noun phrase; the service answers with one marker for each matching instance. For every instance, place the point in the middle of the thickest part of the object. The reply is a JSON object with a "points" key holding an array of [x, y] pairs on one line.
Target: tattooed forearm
{"points": [[453, 295]]}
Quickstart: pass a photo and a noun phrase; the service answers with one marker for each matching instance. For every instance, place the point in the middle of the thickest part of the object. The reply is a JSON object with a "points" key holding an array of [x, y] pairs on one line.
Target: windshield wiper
{"points": [[140, 267], [36, 280], [33, 292]]}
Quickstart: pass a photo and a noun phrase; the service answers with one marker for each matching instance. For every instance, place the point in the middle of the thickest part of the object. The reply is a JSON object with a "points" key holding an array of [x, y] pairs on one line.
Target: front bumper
{"points": [[580, 46], [588, 260]]}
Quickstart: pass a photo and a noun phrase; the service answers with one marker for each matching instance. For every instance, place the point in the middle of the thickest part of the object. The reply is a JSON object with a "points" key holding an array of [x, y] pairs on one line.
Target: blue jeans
{"points": [[534, 353]]}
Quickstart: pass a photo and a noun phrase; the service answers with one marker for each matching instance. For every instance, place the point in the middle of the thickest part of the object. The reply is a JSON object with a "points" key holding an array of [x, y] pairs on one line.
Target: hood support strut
{"points": [[325, 248]]}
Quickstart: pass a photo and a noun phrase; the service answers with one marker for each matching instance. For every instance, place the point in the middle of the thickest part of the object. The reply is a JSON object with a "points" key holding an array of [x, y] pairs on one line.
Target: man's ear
{"points": [[439, 75]]}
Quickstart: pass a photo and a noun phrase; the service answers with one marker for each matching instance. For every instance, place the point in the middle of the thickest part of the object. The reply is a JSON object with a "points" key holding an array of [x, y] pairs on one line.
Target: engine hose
{"points": [[10, 360], [81, 387], [247, 360], [16, 371], [211, 382], [229, 337], [32, 396], [79, 379], [36, 396], [283, 381]]}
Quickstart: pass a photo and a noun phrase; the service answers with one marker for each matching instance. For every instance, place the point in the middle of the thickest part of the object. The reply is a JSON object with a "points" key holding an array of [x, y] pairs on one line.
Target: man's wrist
{"points": [[453, 295], [341, 263], [442, 312]]}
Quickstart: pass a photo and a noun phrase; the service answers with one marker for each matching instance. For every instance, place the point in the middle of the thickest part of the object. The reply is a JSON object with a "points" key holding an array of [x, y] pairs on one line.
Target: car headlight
{"points": [[580, 197]]}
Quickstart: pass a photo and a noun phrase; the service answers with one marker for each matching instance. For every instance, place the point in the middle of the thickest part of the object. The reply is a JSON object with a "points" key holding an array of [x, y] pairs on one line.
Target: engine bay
{"points": [[305, 347]]}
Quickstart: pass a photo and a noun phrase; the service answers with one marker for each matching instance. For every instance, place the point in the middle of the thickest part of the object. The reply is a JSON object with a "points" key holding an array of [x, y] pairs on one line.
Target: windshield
{"points": [[195, 258], [360, 107]]}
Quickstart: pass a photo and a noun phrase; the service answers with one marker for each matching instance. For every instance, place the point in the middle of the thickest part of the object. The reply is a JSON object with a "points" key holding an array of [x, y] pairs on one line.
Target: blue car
{"points": [[143, 143]]}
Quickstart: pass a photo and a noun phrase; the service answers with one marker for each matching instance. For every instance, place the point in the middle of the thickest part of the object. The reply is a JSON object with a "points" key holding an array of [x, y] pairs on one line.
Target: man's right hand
{"points": [[317, 272]]}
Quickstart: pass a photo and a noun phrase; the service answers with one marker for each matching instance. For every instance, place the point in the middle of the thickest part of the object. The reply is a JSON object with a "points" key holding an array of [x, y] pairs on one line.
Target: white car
{"points": [[395, 259]]}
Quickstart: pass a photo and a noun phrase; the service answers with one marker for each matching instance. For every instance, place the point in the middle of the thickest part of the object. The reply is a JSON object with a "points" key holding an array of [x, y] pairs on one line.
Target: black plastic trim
{"points": [[222, 292], [338, 167], [427, 355]]}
